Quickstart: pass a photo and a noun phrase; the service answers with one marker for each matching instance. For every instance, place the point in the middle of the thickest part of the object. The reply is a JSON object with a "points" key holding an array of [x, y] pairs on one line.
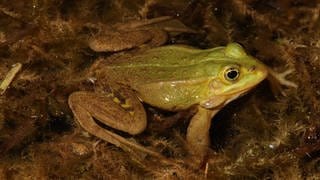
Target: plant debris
{"points": [[9, 77]]}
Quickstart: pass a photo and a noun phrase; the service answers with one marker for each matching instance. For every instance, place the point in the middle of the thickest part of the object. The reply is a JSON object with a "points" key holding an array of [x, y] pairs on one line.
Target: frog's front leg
{"points": [[129, 117], [277, 79], [198, 133]]}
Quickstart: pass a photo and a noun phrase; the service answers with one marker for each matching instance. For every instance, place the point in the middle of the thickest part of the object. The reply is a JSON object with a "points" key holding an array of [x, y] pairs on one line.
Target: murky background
{"points": [[263, 135]]}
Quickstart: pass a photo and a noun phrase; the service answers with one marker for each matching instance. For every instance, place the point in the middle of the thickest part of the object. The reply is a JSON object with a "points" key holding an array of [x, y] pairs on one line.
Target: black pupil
{"points": [[232, 74]]}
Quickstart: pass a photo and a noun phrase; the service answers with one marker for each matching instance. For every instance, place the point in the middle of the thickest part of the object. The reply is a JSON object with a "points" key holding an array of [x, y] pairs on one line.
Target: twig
{"points": [[9, 77]]}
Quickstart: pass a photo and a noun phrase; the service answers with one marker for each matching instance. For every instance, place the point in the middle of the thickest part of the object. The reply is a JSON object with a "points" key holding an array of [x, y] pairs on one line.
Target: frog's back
{"points": [[159, 64], [174, 55]]}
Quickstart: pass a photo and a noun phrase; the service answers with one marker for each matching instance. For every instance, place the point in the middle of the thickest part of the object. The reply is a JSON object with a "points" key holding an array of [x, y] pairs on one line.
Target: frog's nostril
{"points": [[252, 68]]}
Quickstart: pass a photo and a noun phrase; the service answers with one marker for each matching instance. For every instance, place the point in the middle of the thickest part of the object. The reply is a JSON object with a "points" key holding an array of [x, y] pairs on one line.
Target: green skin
{"points": [[172, 78]]}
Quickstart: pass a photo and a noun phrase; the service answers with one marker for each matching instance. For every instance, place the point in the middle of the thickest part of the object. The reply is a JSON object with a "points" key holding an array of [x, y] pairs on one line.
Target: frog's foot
{"points": [[114, 42], [170, 24], [277, 79], [142, 23], [281, 77]]}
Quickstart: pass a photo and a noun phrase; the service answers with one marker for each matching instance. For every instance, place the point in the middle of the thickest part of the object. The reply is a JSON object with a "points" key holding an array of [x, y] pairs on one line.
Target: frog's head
{"points": [[237, 74]]}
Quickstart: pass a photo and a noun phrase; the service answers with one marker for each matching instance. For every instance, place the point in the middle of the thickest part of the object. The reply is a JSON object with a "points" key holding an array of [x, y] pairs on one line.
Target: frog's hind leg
{"points": [[88, 105]]}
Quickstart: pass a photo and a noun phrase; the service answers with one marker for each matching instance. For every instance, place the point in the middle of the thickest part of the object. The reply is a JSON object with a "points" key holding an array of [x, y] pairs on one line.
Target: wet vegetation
{"points": [[263, 135]]}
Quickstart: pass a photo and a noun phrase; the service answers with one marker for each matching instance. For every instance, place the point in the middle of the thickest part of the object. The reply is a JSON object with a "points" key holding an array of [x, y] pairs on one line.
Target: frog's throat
{"points": [[221, 100]]}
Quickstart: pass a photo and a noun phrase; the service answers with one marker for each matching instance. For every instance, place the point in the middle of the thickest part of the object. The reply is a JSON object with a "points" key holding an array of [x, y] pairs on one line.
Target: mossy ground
{"points": [[261, 135]]}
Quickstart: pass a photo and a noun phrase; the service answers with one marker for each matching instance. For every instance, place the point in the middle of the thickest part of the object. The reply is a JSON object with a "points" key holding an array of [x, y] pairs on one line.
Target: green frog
{"points": [[173, 78]]}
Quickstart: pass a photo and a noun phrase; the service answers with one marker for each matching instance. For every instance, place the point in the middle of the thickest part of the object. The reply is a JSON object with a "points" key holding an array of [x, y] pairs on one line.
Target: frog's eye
{"points": [[231, 73]]}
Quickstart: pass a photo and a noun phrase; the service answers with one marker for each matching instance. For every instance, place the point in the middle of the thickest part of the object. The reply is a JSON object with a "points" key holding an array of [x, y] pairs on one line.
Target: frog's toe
{"points": [[281, 77]]}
